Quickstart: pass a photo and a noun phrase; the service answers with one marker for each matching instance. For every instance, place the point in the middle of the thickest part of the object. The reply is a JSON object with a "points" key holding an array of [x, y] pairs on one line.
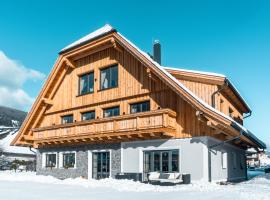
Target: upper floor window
{"points": [[110, 112], [51, 160], [88, 115], [109, 77], [68, 160], [231, 112], [67, 119], [86, 83], [140, 107]]}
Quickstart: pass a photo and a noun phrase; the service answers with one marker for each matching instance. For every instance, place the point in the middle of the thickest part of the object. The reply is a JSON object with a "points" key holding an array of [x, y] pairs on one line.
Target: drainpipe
{"points": [[218, 91], [30, 148]]}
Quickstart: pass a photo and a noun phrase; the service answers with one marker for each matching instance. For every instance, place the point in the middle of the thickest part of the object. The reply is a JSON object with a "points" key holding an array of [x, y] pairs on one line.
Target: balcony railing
{"points": [[143, 124]]}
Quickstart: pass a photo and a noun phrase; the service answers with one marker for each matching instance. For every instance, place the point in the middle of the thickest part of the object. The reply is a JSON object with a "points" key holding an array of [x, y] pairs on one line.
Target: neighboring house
{"points": [[11, 153], [108, 107]]}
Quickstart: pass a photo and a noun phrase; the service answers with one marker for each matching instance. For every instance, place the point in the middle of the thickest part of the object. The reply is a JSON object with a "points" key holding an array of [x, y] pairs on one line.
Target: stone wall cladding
{"points": [[81, 169]]}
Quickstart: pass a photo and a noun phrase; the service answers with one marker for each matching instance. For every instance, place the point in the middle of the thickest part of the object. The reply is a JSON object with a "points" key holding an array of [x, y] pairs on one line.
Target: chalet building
{"points": [[109, 109]]}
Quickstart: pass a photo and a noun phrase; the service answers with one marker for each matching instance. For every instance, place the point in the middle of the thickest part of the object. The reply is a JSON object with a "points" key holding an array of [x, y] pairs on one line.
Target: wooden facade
{"points": [[172, 113]]}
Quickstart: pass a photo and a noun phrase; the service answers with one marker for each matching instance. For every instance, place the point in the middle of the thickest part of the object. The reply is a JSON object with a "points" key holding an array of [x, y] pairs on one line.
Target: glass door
{"points": [[101, 165]]}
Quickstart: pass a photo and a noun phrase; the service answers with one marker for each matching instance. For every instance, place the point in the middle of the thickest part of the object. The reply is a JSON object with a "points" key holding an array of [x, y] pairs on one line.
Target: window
{"points": [[110, 112], [161, 161], [140, 107], [231, 112], [86, 83], [68, 160], [88, 115], [221, 105], [50, 160], [109, 77], [67, 119], [234, 160], [224, 160]]}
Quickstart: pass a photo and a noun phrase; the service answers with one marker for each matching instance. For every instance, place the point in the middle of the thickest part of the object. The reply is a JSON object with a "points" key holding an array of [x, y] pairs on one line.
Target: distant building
{"points": [[10, 153]]}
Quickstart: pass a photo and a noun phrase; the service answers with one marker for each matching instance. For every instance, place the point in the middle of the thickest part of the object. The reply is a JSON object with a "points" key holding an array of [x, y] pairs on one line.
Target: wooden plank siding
{"points": [[134, 86], [205, 91]]}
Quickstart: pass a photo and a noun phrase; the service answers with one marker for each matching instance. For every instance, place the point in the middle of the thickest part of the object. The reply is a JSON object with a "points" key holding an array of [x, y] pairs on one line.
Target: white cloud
{"points": [[12, 77]]}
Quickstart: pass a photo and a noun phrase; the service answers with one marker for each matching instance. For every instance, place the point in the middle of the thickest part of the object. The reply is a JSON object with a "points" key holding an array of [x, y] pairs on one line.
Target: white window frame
{"points": [[224, 160], [90, 161], [44, 159], [61, 164]]}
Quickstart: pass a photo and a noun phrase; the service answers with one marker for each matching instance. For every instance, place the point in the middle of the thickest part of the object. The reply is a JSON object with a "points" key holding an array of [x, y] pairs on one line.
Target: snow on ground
{"points": [[27, 185]]}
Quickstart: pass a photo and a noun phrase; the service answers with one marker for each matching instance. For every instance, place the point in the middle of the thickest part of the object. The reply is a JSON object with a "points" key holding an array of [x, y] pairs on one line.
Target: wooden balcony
{"points": [[146, 125]]}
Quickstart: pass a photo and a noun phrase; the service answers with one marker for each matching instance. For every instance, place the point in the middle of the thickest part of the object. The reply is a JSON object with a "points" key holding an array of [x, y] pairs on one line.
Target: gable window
{"points": [[110, 112], [50, 160], [109, 77], [86, 83], [67, 119], [140, 107], [68, 160], [88, 115]]}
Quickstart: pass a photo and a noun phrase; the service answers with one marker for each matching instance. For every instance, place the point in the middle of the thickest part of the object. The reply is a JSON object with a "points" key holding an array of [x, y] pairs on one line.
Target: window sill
{"points": [[100, 90], [79, 95]]}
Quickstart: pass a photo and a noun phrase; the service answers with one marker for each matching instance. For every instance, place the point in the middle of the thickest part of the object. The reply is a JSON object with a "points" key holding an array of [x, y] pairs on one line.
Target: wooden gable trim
{"points": [[192, 76], [52, 83]]}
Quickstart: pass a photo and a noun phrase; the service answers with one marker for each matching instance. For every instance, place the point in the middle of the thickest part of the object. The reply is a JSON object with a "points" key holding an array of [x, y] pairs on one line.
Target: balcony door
{"points": [[101, 165]]}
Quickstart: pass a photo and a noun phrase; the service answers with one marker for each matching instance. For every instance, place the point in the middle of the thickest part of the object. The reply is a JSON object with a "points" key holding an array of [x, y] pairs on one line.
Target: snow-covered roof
{"points": [[7, 148], [194, 71], [99, 32]]}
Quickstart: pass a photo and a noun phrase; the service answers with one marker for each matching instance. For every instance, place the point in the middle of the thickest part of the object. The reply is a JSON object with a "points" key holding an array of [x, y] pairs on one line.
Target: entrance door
{"points": [[101, 165]]}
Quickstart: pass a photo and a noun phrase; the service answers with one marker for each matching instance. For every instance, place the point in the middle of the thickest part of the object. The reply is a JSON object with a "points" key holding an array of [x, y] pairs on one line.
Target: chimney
{"points": [[157, 52]]}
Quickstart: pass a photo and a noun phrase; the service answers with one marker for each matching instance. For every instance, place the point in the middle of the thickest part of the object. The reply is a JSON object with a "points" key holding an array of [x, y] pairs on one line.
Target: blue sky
{"points": [[229, 37]]}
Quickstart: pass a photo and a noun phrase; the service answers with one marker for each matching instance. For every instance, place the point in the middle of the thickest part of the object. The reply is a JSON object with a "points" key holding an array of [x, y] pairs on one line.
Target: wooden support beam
{"points": [[47, 101], [69, 63]]}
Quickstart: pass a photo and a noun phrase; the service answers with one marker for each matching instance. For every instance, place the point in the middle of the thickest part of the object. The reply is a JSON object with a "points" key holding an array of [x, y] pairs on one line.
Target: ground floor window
{"points": [[224, 160], [51, 160], [69, 160], [101, 165], [161, 161]]}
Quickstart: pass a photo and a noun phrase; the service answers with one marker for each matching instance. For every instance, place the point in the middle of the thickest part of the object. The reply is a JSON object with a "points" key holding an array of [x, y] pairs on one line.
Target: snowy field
{"points": [[26, 185]]}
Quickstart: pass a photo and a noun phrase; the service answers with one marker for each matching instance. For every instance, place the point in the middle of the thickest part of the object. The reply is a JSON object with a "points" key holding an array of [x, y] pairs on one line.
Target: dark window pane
{"points": [[50, 160], [175, 161], [165, 161], [157, 161], [86, 83], [69, 160], [110, 112], [67, 119], [140, 107], [88, 115], [109, 77]]}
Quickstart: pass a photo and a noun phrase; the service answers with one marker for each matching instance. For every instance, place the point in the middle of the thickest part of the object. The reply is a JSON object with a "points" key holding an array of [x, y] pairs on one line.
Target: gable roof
{"points": [[224, 78], [169, 79]]}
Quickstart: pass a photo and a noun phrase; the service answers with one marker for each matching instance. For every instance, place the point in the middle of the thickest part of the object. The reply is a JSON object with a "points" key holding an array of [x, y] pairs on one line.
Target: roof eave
{"points": [[86, 42]]}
